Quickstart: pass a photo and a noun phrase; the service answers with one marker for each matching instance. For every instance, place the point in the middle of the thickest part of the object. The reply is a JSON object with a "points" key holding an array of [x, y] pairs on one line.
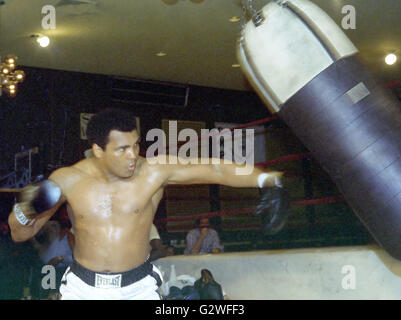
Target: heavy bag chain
{"points": [[247, 7]]}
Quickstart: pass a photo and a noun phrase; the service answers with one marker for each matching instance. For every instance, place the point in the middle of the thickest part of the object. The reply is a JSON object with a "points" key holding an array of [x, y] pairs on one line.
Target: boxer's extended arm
{"points": [[221, 173], [274, 203]]}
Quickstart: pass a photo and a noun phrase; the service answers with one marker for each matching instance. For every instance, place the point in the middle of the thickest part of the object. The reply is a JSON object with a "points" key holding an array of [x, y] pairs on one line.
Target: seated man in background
{"points": [[202, 239], [158, 249]]}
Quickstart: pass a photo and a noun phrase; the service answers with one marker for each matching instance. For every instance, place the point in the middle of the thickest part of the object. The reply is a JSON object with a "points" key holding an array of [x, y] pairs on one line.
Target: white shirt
{"points": [[153, 234]]}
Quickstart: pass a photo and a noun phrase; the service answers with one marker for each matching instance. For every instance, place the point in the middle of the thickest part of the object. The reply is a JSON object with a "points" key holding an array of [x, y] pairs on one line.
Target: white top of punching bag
{"points": [[296, 41]]}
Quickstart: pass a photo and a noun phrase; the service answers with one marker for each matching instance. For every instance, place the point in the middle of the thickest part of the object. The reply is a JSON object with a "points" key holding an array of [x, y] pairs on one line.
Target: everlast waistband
{"points": [[107, 280]]}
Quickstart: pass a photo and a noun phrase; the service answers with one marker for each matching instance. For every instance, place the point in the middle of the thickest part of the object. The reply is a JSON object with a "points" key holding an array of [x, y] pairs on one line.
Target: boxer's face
{"points": [[121, 153]]}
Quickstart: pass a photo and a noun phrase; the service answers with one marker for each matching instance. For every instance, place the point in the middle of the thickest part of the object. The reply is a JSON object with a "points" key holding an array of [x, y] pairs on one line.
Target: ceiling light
{"points": [[43, 41], [161, 54], [5, 70], [390, 59], [234, 19], [10, 60], [235, 65], [9, 78], [19, 75]]}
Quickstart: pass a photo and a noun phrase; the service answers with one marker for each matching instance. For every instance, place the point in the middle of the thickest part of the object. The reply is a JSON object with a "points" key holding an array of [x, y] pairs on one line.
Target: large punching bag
{"points": [[307, 71]]}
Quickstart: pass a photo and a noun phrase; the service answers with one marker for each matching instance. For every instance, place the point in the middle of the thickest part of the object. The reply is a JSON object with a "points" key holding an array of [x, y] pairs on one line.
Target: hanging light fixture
{"points": [[41, 39], [390, 59], [9, 77]]}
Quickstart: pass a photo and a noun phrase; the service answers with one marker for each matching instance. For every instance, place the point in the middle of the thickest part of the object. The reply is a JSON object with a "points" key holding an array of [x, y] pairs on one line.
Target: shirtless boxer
{"points": [[114, 197]]}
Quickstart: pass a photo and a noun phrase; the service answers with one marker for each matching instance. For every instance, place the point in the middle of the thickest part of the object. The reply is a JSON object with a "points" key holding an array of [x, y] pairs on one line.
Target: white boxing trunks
{"points": [[141, 283]]}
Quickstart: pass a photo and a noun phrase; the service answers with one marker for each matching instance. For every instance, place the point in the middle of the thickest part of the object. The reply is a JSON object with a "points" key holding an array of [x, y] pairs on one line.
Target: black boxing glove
{"points": [[212, 291], [207, 287], [273, 207], [35, 199]]}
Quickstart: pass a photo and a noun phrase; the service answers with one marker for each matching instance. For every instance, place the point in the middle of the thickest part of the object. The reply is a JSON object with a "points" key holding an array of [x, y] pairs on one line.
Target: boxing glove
{"points": [[207, 287], [35, 199], [273, 208]]}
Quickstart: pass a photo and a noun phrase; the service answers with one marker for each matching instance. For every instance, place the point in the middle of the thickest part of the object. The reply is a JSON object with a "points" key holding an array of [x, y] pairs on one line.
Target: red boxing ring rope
{"points": [[307, 202]]}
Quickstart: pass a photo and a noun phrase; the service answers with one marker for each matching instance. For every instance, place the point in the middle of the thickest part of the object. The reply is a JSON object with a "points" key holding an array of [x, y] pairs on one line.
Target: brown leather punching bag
{"points": [[307, 71]]}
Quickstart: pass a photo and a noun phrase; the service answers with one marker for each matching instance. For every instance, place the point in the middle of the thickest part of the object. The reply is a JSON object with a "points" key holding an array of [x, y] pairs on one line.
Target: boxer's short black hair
{"points": [[102, 123]]}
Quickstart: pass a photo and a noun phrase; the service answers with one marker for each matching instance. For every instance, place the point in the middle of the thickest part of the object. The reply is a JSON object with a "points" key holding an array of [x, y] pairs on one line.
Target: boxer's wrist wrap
{"points": [[20, 216], [263, 176]]}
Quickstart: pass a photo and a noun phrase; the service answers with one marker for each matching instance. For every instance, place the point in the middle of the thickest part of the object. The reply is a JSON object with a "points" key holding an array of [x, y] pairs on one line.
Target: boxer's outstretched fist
{"points": [[273, 209], [36, 198]]}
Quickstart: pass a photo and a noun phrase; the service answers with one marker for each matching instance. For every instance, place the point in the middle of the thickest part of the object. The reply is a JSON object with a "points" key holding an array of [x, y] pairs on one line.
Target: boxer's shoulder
{"points": [[66, 172], [65, 177], [163, 162], [148, 165], [84, 166]]}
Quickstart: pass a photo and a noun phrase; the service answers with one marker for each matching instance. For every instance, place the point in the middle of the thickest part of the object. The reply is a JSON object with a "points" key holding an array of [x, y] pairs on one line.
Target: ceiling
{"points": [[122, 37]]}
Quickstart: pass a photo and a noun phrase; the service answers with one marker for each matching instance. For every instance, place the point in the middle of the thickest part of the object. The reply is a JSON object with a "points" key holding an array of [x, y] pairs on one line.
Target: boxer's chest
{"points": [[106, 200]]}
